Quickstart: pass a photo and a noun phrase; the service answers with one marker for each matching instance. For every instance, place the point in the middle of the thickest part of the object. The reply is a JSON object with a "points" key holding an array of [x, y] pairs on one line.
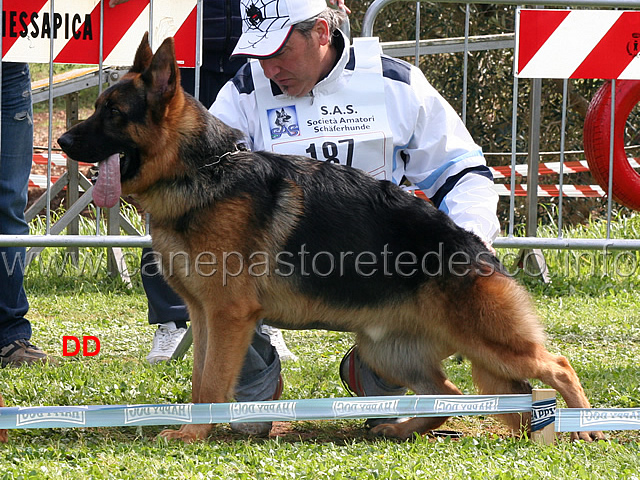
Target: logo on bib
{"points": [[283, 121]]}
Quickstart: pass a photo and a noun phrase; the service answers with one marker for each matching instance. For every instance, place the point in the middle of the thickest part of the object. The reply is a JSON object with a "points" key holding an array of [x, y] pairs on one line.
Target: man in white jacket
{"points": [[310, 92]]}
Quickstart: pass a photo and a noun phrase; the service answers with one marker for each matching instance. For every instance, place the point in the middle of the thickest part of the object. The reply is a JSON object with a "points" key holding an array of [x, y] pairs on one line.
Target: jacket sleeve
{"points": [[441, 158]]}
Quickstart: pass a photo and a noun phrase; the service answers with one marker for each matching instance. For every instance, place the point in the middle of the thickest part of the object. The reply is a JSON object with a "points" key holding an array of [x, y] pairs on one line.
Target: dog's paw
{"points": [[170, 434], [187, 433], [399, 431], [587, 436]]}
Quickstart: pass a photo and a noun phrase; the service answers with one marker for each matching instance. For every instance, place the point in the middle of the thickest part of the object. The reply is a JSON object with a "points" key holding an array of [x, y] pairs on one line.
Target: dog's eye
{"points": [[115, 112]]}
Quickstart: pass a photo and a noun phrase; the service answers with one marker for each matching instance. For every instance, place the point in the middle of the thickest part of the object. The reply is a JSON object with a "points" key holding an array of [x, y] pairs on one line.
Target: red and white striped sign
{"points": [[578, 44], [28, 27]]}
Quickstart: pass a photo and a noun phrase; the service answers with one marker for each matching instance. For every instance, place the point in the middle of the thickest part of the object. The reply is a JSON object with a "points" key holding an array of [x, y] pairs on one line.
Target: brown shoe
{"points": [[21, 352]]}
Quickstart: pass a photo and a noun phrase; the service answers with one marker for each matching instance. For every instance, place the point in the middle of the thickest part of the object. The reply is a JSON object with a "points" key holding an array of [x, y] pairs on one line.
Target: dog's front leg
{"points": [[220, 346], [191, 433]]}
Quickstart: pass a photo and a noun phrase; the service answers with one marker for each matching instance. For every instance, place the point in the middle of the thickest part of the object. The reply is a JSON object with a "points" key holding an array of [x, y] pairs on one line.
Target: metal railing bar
{"points": [[465, 64], [36, 241], [566, 243], [50, 129], [145, 241], [514, 149], [563, 127], [417, 39], [407, 48], [377, 5]]}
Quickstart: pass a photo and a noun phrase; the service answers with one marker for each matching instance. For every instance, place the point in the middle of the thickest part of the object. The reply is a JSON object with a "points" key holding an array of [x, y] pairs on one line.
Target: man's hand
{"points": [[341, 5]]}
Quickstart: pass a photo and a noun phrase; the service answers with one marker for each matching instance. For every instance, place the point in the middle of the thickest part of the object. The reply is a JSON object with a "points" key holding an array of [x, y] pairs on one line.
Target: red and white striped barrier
{"points": [[578, 44], [28, 27], [57, 160], [550, 168], [40, 181], [574, 191]]}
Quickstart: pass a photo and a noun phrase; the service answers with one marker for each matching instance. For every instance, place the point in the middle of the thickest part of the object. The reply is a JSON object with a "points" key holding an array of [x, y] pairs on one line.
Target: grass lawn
{"points": [[592, 318]]}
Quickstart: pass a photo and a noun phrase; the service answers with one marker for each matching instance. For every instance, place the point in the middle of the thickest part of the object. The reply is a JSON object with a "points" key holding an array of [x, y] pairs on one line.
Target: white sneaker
{"points": [[277, 340], [165, 342]]}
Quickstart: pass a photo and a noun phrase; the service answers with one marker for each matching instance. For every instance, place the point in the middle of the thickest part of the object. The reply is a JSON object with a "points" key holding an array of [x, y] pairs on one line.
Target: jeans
{"points": [[15, 166]]}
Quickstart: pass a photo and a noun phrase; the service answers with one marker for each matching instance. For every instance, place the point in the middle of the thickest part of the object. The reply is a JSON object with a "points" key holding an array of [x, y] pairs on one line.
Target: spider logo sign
{"points": [[254, 15]]}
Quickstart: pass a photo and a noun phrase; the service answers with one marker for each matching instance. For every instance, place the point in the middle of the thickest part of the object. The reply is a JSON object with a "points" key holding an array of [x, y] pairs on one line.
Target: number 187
{"points": [[332, 152]]}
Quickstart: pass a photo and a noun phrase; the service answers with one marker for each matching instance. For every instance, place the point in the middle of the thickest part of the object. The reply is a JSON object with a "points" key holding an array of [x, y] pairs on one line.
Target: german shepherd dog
{"points": [[308, 244]]}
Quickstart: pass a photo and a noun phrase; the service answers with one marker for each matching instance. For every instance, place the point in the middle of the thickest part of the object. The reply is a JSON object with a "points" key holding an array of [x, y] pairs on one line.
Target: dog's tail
{"points": [[494, 310], [495, 325]]}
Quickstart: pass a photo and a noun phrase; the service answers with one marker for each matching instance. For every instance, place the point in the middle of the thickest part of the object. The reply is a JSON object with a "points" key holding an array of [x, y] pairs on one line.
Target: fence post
{"points": [[546, 436], [116, 264], [71, 103], [533, 261]]}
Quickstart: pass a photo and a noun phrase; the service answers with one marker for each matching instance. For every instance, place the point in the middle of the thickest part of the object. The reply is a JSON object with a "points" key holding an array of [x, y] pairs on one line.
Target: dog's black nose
{"points": [[65, 141]]}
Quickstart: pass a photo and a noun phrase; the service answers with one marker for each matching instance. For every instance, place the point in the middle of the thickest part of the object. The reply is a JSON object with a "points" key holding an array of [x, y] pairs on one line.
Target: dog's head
{"points": [[282, 117], [129, 123]]}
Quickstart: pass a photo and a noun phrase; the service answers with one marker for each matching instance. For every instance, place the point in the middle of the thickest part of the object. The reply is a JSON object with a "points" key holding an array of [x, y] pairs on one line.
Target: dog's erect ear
{"points": [[143, 55], [162, 77]]}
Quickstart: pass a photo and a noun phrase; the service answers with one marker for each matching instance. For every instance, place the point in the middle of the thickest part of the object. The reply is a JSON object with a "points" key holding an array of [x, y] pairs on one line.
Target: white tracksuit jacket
{"points": [[431, 146]]}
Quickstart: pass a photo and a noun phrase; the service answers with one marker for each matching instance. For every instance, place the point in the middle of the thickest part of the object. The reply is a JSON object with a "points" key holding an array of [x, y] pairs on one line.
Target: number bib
{"points": [[349, 126]]}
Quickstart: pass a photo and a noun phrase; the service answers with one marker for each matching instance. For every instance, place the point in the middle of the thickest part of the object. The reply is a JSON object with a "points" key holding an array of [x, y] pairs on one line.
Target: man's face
{"points": [[299, 65]]}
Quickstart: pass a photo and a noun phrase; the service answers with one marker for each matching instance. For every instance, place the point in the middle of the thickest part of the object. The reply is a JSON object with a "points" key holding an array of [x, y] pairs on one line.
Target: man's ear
{"points": [[143, 56], [321, 29], [162, 77]]}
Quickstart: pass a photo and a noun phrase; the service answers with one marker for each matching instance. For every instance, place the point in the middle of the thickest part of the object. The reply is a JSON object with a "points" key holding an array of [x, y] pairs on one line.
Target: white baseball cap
{"points": [[267, 24]]}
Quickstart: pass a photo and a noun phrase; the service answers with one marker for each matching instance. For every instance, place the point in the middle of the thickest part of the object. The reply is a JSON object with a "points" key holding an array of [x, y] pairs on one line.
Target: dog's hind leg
{"points": [[488, 383], [435, 383], [414, 363], [556, 371], [506, 346]]}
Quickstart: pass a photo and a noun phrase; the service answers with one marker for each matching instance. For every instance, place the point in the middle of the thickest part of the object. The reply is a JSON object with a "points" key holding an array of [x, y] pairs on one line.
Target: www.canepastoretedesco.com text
{"points": [[322, 264]]}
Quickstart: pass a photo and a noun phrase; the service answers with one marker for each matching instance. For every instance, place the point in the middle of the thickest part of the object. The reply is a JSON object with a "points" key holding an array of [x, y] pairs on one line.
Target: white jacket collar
{"points": [[332, 82]]}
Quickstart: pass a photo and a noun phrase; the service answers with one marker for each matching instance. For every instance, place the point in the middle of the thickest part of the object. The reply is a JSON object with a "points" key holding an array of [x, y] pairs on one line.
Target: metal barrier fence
{"points": [[467, 44], [464, 46]]}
